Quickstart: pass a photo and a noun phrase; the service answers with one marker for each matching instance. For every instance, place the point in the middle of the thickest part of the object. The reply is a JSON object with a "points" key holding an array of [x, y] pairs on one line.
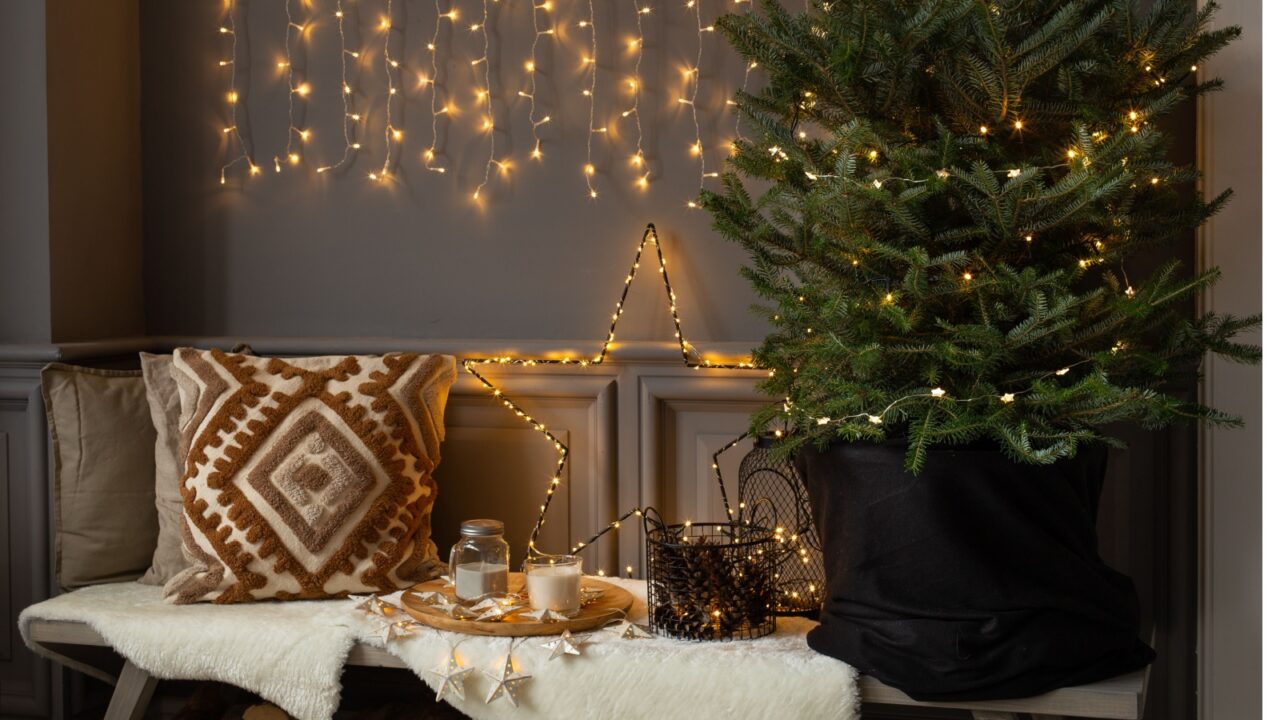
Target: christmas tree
{"points": [[939, 198]]}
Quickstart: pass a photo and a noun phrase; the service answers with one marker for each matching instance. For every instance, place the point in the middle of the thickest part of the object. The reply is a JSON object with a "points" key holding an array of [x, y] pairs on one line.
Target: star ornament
{"points": [[563, 645], [452, 676], [545, 615], [632, 631], [396, 630], [374, 605], [506, 684]]}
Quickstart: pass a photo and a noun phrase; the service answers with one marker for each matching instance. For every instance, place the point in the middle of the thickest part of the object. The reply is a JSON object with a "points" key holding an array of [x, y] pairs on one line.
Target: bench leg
{"points": [[133, 693]]}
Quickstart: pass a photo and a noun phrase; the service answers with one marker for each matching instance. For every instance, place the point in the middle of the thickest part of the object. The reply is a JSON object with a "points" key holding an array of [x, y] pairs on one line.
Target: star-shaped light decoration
{"points": [[507, 683], [396, 630], [563, 645], [434, 598], [687, 352], [455, 610], [545, 615], [631, 631], [452, 675], [374, 605], [590, 595]]}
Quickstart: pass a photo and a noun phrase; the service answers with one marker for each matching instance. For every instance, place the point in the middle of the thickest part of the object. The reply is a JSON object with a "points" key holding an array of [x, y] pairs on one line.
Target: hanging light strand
{"points": [[233, 99], [347, 117], [291, 156], [429, 156], [487, 93], [694, 76], [531, 67], [638, 159], [688, 354], [392, 135], [590, 169]]}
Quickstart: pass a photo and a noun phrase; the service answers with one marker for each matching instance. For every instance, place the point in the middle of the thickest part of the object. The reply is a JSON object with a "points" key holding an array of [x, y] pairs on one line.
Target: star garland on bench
{"points": [[691, 357]]}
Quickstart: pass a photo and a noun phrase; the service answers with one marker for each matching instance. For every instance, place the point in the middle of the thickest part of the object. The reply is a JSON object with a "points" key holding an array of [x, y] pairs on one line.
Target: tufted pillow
{"points": [[308, 477]]}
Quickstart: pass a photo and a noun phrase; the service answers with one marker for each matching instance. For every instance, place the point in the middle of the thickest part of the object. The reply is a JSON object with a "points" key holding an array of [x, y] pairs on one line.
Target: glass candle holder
{"points": [[478, 563], [554, 583]]}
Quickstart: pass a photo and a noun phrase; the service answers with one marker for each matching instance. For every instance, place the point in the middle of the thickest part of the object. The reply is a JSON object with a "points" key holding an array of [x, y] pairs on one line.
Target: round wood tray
{"points": [[613, 605]]}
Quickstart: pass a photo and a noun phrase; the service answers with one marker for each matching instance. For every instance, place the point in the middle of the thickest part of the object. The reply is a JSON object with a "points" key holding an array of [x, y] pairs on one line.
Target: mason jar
{"points": [[479, 562]]}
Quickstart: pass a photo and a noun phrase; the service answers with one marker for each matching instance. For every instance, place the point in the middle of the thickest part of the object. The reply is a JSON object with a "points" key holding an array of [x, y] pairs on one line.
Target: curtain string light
{"points": [[486, 94], [638, 159], [694, 74], [233, 98], [392, 135], [347, 116], [291, 156], [531, 68], [430, 154], [590, 169], [687, 353]]}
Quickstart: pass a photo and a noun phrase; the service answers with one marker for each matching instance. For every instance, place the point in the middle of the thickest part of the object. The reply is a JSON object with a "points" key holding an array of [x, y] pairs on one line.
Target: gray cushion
{"points": [[162, 400], [104, 474]]}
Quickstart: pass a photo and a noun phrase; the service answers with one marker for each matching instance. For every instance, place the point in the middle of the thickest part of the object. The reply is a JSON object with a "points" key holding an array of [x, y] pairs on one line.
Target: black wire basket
{"points": [[709, 581], [772, 493]]}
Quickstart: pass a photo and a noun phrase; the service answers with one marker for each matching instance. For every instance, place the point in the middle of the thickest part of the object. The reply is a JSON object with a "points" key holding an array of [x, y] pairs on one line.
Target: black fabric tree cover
{"points": [[977, 579]]}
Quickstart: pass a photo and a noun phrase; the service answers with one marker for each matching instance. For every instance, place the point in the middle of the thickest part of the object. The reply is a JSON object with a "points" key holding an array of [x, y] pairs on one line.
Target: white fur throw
{"points": [[292, 654]]}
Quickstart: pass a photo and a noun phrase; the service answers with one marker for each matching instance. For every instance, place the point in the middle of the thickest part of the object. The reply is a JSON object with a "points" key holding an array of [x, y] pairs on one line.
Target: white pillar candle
{"points": [[472, 581], [555, 587]]}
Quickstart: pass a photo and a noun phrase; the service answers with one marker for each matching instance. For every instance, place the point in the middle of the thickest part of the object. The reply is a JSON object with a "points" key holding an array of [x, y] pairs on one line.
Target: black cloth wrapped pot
{"points": [[977, 579]]}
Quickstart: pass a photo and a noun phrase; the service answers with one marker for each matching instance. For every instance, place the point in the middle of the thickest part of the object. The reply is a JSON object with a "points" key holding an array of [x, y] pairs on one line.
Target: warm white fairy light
{"points": [[431, 154], [486, 93], [531, 69], [233, 98], [638, 160], [302, 90], [345, 90], [589, 170], [392, 135], [692, 75]]}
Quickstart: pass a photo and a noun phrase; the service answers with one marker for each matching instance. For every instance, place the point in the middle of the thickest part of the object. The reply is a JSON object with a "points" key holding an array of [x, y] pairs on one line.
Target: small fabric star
{"points": [[545, 615], [632, 631], [452, 675], [507, 683], [455, 610], [563, 645]]}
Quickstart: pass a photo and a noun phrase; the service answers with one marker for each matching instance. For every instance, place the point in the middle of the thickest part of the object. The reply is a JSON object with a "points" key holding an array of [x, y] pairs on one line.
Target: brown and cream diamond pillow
{"points": [[308, 477]]}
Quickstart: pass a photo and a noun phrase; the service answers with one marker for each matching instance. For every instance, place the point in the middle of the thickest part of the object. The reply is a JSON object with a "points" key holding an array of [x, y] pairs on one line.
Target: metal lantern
{"points": [[771, 493]]}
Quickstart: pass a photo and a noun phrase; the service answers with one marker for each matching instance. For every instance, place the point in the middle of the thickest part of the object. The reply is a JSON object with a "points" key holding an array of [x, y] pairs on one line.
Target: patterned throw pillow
{"points": [[308, 477]]}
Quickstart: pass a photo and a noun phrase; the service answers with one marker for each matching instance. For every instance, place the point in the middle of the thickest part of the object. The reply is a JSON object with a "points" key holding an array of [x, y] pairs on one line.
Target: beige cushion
{"points": [[104, 474], [162, 401], [310, 477]]}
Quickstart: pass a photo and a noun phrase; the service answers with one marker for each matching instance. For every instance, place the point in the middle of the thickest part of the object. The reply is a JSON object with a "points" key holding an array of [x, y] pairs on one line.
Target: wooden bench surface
{"points": [[1119, 698]]}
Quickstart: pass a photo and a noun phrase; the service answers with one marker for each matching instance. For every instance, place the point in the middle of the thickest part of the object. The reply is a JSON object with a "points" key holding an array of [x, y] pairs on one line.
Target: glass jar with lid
{"points": [[479, 562]]}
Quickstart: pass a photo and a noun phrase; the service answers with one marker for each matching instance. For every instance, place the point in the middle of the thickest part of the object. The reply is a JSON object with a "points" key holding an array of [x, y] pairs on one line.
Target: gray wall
{"points": [[24, 198], [339, 255]]}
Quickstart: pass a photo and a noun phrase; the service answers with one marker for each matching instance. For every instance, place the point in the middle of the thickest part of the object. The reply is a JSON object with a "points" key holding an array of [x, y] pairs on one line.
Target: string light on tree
{"points": [[232, 131], [746, 79]]}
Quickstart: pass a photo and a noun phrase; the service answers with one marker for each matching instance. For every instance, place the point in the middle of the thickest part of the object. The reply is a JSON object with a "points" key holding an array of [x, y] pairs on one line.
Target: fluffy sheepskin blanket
{"points": [[292, 654]]}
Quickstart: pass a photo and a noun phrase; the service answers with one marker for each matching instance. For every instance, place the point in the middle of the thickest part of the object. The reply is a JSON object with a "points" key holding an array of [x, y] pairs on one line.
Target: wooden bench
{"points": [[1116, 699]]}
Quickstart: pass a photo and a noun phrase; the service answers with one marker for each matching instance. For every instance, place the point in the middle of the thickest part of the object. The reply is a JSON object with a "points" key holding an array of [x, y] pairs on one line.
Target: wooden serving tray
{"points": [[592, 616]]}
